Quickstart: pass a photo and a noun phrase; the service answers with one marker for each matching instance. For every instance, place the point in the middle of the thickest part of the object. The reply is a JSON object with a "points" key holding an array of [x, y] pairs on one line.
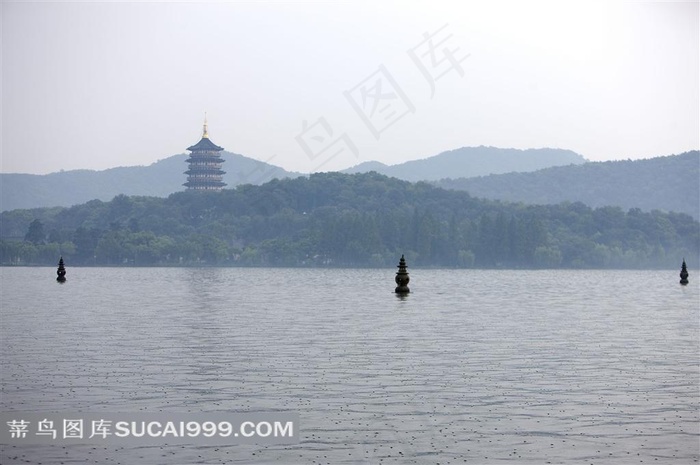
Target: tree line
{"points": [[333, 219]]}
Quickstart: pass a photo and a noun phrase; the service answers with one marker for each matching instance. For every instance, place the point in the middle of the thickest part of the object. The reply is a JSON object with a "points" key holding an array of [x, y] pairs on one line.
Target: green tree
{"points": [[547, 257], [35, 233], [85, 241]]}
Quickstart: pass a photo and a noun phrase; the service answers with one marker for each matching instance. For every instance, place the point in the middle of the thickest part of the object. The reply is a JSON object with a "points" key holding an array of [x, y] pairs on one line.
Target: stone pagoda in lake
{"points": [[205, 173]]}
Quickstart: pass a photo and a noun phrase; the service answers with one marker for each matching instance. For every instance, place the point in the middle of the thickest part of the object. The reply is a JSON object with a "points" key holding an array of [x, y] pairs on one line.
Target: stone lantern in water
{"points": [[402, 278], [61, 272], [684, 273]]}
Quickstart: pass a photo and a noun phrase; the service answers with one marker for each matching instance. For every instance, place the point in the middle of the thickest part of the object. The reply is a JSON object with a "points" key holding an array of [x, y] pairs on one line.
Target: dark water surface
{"points": [[472, 367]]}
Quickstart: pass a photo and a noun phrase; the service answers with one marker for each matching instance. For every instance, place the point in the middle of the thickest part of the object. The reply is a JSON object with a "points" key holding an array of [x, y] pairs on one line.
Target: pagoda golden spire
{"points": [[205, 133]]}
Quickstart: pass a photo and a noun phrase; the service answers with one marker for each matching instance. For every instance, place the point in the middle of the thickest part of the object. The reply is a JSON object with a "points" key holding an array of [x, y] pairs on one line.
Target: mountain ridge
{"points": [[472, 161], [165, 176], [647, 184], [159, 179], [667, 183]]}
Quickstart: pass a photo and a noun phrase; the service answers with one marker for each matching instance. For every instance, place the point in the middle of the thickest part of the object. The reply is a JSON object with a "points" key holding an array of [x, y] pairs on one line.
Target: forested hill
{"points": [[159, 179], [166, 176], [666, 183], [334, 219]]}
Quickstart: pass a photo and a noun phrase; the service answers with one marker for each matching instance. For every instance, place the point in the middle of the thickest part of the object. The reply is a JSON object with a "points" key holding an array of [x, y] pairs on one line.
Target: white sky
{"points": [[97, 85]]}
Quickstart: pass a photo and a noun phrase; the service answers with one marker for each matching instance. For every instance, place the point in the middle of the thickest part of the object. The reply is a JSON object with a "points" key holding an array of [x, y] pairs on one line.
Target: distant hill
{"points": [[166, 176], [670, 183], [664, 183], [159, 179], [468, 162], [366, 167]]}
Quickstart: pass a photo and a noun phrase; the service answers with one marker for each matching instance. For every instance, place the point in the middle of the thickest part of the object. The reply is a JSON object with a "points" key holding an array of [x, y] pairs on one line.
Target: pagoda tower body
{"points": [[205, 173]]}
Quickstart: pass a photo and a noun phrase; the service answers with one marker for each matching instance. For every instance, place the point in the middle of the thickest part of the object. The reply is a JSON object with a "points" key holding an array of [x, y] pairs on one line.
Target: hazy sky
{"points": [[323, 85]]}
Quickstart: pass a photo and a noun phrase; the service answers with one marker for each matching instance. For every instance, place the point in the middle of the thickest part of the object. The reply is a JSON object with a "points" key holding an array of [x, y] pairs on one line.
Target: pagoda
{"points": [[205, 173]]}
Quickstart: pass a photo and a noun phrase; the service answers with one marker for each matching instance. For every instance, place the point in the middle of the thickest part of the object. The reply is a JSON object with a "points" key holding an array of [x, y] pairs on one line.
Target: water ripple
{"points": [[472, 366]]}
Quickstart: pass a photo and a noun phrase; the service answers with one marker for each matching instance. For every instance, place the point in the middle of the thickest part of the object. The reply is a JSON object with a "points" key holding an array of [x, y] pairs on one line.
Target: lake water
{"points": [[473, 366]]}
